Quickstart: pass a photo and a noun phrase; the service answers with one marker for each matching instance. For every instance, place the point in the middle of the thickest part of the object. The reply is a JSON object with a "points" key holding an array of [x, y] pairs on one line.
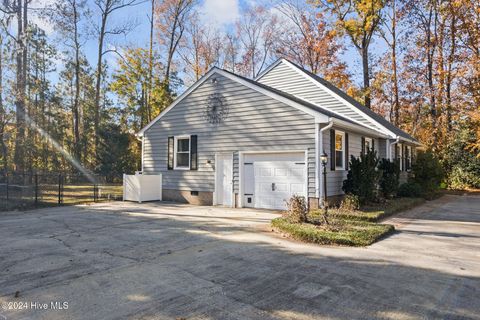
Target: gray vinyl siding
{"points": [[255, 122], [335, 178], [283, 77]]}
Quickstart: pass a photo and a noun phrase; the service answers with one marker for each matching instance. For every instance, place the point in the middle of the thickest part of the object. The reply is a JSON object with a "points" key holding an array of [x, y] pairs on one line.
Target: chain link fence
{"points": [[25, 191]]}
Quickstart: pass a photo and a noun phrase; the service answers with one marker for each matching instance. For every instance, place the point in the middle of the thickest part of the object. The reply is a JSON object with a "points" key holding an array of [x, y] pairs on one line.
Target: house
{"points": [[233, 141]]}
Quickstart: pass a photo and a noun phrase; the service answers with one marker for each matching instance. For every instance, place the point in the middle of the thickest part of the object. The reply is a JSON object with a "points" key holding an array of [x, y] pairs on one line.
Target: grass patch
{"points": [[342, 232], [348, 228], [374, 213]]}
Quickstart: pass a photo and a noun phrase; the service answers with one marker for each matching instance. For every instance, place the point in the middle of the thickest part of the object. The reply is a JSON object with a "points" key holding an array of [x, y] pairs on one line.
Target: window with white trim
{"points": [[182, 153], [408, 158], [368, 144], [400, 155], [339, 150]]}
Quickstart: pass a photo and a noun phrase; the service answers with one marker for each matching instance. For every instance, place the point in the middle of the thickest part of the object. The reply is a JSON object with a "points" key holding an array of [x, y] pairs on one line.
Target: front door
{"points": [[224, 183]]}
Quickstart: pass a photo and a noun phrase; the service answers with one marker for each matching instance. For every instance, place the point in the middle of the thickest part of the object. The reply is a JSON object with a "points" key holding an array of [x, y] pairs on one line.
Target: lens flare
{"points": [[60, 149]]}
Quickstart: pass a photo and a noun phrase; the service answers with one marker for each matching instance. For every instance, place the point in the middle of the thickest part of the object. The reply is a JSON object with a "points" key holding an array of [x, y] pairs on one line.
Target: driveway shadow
{"points": [[112, 264]]}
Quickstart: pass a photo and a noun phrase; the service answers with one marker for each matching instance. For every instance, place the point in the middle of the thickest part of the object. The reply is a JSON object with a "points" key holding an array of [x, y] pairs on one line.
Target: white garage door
{"points": [[277, 181]]}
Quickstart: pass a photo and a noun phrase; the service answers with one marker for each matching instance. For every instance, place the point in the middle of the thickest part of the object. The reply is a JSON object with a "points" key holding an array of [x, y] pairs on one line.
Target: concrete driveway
{"points": [[165, 261]]}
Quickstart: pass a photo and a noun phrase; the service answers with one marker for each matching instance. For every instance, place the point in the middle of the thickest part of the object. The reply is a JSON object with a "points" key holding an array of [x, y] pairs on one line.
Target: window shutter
{"points": [[363, 145], [347, 156], [404, 162], [170, 151], [373, 144], [193, 153], [332, 150]]}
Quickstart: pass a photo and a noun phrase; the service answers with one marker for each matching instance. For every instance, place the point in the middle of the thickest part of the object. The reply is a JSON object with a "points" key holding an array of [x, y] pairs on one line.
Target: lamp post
{"points": [[324, 160]]}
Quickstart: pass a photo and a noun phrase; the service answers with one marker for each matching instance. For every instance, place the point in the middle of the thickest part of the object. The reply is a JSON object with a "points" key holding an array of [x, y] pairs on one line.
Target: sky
{"points": [[220, 13]]}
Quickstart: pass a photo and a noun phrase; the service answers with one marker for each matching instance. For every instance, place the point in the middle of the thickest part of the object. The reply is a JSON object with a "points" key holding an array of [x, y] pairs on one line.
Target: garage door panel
{"points": [[281, 187], [265, 172], [297, 188], [264, 187], [297, 172], [281, 172], [288, 178]]}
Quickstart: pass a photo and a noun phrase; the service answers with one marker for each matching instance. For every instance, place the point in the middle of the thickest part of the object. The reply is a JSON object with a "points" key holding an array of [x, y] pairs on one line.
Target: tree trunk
{"points": [[366, 75], [451, 58], [98, 82], [20, 87], [75, 111], [150, 67], [396, 98], [171, 48], [431, 46], [2, 113]]}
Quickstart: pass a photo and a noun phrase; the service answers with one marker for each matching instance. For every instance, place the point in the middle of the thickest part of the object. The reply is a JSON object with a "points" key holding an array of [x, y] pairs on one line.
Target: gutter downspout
{"points": [[140, 138], [390, 148], [319, 193]]}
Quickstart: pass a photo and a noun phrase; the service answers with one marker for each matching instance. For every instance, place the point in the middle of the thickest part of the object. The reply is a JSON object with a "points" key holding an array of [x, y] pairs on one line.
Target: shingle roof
{"points": [[384, 122]]}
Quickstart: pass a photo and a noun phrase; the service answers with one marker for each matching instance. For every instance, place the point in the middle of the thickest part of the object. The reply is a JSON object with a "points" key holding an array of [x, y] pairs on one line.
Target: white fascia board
{"points": [[177, 100], [359, 129], [336, 96], [411, 141]]}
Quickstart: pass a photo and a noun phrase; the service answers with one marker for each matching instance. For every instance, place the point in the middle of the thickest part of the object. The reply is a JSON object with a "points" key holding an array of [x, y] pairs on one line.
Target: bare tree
{"points": [[67, 15], [424, 15], [256, 31], [172, 17], [231, 52], [360, 21], [106, 9], [305, 37], [201, 49], [390, 34], [148, 92], [18, 9], [3, 114]]}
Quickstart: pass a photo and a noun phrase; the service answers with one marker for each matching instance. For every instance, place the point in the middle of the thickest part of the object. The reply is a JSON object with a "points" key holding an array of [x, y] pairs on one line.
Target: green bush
{"points": [[362, 177], [460, 179], [427, 171], [410, 190], [461, 165], [390, 178], [350, 203], [297, 209]]}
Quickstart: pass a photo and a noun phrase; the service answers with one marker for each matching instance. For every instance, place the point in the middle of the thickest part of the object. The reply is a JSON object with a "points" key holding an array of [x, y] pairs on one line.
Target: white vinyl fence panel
{"points": [[142, 187]]}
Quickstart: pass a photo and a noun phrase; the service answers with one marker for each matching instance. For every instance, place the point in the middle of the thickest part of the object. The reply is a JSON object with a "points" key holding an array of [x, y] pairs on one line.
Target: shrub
{"points": [[297, 209], [390, 178], [427, 171], [362, 177], [410, 190], [461, 164], [350, 203], [461, 178]]}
